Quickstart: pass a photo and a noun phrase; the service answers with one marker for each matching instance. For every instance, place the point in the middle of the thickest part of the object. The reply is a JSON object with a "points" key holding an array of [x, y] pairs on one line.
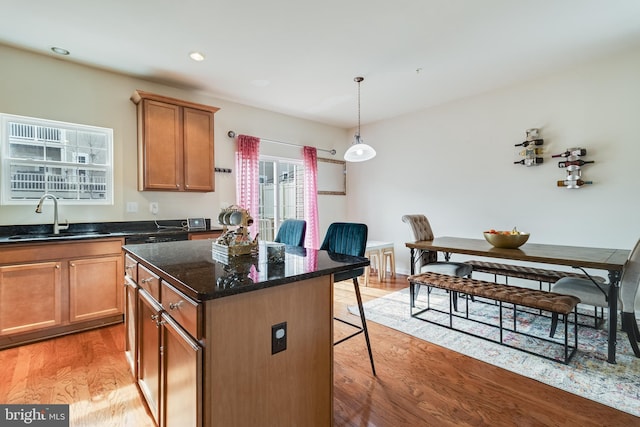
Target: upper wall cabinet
{"points": [[175, 144]]}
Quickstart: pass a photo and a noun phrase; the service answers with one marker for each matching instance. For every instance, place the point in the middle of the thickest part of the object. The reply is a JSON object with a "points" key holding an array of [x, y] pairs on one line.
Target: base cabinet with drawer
{"points": [[164, 356], [52, 289]]}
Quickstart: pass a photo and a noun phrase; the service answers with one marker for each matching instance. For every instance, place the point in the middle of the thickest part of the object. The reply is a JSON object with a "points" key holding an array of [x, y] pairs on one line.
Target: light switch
{"points": [[132, 207]]}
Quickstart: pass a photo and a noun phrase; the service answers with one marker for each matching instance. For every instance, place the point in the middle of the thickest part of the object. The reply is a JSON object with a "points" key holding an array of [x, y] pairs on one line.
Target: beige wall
{"points": [[51, 88], [454, 162]]}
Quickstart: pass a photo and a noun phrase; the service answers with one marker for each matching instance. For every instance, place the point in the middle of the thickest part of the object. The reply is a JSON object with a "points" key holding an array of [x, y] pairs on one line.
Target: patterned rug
{"points": [[588, 374]]}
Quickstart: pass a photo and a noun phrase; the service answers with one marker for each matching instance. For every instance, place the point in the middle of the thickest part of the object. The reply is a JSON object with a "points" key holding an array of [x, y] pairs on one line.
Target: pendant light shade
{"points": [[359, 151]]}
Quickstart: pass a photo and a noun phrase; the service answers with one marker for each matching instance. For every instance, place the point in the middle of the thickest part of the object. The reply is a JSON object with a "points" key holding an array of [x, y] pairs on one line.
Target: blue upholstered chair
{"points": [[350, 239], [292, 232], [591, 292]]}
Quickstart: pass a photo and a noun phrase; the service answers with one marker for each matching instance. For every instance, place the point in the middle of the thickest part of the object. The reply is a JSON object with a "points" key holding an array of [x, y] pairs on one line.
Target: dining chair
{"points": [[591, 292], [428, 262], [292, 232], [350, 239]]}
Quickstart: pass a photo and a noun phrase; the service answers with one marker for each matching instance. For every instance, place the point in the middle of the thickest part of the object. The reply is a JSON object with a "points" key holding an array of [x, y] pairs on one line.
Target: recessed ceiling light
{"points": [[59, 50], [196, 56]]}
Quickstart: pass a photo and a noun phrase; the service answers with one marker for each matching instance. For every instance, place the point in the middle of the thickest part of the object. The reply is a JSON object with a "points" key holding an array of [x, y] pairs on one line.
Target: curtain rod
{"points": [[232, 134]]}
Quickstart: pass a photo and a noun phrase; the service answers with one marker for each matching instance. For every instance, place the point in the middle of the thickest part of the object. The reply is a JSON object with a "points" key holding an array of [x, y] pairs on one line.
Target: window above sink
{"points": [[73, 162]]}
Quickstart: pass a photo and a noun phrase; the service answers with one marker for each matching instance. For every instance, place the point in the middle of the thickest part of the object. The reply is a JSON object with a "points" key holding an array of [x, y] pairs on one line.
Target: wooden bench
{"points": [[514, 295]]}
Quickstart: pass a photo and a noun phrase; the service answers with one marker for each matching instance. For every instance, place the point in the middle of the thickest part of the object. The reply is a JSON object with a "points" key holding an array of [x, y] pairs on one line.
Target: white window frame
{"points": [[75, 161], [277, 208]]}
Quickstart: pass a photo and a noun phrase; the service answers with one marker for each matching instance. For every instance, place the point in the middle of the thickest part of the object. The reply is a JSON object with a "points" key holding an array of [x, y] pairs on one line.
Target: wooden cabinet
{"points": [[175, 144], [95, 287], [205, 235], [182, 376], [131, 313], [169, 358], [50, 289], [30, 297], [149, 351]]}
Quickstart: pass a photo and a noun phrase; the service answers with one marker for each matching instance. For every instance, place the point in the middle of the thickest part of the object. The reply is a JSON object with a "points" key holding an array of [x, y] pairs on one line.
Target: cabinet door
{"points": [[30, 297], [198, 150], [161, 151], [182, 371], [95, 288], [149, 352], [130, 322]]}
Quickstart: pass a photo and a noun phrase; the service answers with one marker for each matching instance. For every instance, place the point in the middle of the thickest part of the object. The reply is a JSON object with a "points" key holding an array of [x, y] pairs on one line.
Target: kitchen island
{"points": [[237, 343]]}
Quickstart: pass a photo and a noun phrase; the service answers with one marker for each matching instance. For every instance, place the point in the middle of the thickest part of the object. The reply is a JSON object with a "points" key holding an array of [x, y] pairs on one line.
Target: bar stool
{"points": [[374, 261], [388, 255]]}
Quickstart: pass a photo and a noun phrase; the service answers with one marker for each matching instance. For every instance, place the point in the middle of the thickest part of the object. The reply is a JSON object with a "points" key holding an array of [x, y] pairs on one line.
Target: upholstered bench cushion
{"points": [[543, 300], [530, 273]]}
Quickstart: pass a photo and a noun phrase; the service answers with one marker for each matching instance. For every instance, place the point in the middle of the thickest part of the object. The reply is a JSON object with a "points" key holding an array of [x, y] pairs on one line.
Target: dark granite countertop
{"points": [[12, 234], [190, 267]]}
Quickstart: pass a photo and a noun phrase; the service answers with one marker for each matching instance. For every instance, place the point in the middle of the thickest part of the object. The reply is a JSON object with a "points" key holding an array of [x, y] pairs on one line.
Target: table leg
{"points": [[413, 262], [614, 281]]}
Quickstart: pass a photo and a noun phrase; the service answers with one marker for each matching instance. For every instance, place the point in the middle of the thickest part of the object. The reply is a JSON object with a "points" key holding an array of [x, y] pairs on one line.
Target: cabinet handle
{"points": [[155, 316], [73, 264], [177, 185], [147, 280], [160, 323], [57, 265], [175, 305]]}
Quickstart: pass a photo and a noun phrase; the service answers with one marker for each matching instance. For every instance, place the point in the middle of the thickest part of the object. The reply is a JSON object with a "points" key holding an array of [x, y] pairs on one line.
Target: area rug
{"points": [[588, 374]]}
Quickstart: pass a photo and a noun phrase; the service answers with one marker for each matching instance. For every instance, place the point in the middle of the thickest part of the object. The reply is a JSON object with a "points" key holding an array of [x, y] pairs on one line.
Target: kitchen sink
{"points": [[78, 234]]}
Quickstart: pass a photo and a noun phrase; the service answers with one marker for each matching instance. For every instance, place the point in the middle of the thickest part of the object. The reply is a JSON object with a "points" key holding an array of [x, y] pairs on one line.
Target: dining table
{"points": [[611, 260]]}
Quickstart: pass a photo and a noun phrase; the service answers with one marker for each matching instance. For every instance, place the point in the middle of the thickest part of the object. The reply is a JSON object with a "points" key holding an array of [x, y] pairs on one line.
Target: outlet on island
{"points": [[278, 337], [153, 208]]}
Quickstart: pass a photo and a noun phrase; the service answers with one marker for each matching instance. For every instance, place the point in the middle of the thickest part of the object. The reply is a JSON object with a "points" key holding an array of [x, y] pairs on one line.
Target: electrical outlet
{"points": [[278, 337], [153, 208]]}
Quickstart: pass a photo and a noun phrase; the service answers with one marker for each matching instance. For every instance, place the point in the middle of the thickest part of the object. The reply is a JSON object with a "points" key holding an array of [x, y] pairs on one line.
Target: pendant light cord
{"points": [[358, 80]]}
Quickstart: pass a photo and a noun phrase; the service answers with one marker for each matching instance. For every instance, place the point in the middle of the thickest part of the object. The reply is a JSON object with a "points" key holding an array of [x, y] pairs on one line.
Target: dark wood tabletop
{"points": [[579, 256]]}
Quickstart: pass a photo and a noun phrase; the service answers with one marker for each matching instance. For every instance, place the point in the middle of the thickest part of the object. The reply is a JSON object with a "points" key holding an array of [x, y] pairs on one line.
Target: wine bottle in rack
{"points": [[573, 183], [531, 151], [574, 163], [575, 152], [529, 161], [532, 142]]}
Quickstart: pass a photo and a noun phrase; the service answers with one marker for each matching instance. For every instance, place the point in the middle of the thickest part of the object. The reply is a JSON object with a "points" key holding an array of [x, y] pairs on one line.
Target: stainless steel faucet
{"points": [[56, 227]]}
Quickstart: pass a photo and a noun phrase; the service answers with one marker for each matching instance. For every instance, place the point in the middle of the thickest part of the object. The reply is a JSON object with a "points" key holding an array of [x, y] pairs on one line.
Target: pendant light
{"points": [[359, 151]]}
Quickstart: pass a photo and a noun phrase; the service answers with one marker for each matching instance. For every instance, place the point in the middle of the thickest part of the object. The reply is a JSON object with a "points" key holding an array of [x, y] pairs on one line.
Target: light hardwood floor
{"points": [[418, 383]]}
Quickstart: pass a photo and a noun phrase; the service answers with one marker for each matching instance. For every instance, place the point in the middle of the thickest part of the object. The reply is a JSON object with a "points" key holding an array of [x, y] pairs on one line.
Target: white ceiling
{"points": [[412, 53]]}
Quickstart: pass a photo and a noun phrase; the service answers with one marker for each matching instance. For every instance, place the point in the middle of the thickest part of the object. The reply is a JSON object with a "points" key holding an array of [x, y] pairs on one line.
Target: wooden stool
{"points": [[388, 254], [374, 251], [374, 260]]}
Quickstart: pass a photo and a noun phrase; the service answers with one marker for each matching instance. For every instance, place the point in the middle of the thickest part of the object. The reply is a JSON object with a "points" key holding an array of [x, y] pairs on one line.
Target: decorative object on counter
{"points": [[235, 241], [506, 239], [359, 151], [532, 152], [573, 165], [223, 170]]}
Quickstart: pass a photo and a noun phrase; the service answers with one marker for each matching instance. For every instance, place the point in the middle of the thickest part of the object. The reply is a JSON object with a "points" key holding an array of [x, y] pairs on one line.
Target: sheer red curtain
{"points": [[310, 159], [247, 171]]}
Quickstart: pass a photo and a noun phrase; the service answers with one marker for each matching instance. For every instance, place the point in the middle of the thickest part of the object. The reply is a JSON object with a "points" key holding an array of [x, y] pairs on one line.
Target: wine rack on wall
{"points": [[573, 163], [532, 149]]}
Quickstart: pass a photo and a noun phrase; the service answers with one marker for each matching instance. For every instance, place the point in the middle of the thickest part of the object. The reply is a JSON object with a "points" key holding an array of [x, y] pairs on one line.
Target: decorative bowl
{"points": [[504, 239]]}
